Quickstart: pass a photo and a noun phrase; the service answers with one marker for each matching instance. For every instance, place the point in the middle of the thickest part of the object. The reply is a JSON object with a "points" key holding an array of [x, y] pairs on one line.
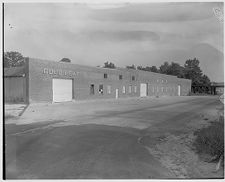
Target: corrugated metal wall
{"points": [[15, 89]]}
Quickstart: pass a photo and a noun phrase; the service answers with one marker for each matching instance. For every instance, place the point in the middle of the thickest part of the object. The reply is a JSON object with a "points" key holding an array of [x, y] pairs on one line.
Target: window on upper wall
{"points": [[130, 88], [100, 90], [92, 89], [133, 78], [124, 90], [109, 89], [105, 75], [120, 77]]}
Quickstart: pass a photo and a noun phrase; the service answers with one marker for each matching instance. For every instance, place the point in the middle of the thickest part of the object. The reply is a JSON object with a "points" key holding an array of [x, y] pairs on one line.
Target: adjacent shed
{"points": [[15, 85]]}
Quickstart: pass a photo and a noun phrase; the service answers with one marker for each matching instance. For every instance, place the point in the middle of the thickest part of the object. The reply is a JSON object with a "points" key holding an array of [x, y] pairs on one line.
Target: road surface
{"points": [[104, 143]]}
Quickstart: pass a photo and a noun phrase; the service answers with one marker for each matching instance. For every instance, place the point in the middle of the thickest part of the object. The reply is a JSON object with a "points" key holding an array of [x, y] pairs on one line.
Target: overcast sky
{"points": [[144, 34]]}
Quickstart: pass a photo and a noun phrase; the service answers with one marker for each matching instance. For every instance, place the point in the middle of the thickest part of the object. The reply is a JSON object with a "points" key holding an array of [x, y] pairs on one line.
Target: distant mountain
{"points": [[211, 61]]}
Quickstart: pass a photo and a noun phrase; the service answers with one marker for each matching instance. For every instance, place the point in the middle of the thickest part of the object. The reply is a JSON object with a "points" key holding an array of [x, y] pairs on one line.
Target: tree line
{"points": [[190, 70]]}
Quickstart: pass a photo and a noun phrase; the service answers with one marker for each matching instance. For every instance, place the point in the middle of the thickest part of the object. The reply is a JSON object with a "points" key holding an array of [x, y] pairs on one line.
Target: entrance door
{"points": [[62, 90], [117, 93], [178, 90], [143, 90]]}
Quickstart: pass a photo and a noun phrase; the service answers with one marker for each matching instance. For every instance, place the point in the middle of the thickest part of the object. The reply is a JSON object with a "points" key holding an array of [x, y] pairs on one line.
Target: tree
{"points": [[147, 68], [140, 68], [164, 68], [66, 60], [131, 67], [205, 80], [109, 65], [13, 59], [193, 71], [176, 70], [172, 69], [154, 69]]}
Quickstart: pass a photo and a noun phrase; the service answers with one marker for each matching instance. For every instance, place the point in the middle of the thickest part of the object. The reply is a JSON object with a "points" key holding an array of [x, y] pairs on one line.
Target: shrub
{"points": [[210, 140]]}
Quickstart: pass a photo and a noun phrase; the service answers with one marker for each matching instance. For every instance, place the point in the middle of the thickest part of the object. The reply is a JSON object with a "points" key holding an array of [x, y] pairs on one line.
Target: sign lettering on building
{"points": [[59, 72]]}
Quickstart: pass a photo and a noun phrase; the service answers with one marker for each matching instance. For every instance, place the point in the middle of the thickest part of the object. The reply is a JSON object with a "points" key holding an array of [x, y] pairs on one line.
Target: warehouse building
{"points": [[50, 81]]}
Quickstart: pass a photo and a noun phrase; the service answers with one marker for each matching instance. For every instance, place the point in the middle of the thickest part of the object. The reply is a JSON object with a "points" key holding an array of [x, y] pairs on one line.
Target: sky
{"points": [[146, 34]]}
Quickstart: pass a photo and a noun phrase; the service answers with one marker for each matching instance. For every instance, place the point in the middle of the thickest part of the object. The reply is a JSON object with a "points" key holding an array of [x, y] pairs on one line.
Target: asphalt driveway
{"points": [[99, 139]]}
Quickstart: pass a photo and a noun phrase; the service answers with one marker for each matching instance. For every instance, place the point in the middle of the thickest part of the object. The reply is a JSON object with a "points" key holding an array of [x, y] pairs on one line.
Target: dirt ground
{"points": [[176, 152]]}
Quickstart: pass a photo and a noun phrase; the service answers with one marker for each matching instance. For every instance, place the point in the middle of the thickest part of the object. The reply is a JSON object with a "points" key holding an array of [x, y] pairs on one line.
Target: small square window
{"points": [[105, 75], [133, 78], [120, 77]]}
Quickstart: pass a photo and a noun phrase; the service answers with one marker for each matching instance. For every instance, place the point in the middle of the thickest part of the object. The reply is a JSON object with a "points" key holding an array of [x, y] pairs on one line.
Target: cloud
{"points": [[153, 12], [133, 33], [120, 35]]}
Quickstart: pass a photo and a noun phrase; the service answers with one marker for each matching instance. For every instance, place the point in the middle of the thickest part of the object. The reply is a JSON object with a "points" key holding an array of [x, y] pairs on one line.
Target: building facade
{"points": [[49, 81]]}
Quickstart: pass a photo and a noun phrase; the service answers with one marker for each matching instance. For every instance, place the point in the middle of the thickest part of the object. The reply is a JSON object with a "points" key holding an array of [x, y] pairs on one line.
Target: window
{"points": [[166, 81], [133, 78], [120, 77], [100, 89], [157, 89], [157, 81], [162, 89], [124, 90], [135, 89], [105, 75], [109, 89], [92, 89], [162, 81], [129, 88], [152, 89]]}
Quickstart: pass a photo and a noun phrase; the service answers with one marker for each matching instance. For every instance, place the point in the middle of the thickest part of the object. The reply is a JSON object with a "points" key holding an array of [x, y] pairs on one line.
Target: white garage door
{"points": [[62, 90], [143, 89]]}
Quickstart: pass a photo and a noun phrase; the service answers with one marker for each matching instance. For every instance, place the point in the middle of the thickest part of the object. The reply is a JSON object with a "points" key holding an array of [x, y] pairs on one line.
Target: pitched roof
{"points": [[14, 71]]}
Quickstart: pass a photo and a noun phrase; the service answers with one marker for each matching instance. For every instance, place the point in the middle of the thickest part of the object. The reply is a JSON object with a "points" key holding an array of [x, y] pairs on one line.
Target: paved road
{"points": [[106, 142]]}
